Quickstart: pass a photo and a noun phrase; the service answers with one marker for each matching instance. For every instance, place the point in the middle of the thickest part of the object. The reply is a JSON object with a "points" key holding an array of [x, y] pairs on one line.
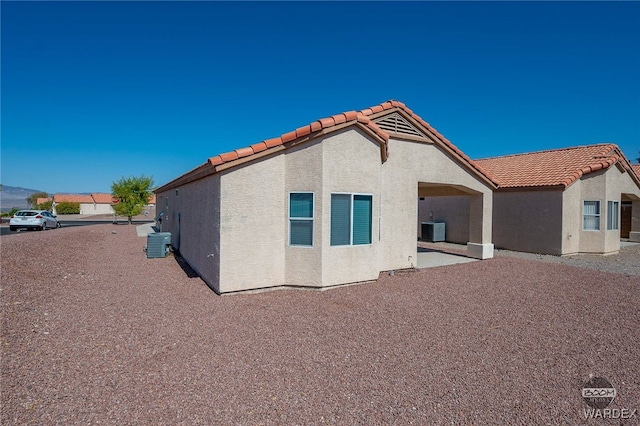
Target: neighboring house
{"points": [[560, 202], [43, 200], [102, 203], [330, 203], [86, 202], [93, 204]]}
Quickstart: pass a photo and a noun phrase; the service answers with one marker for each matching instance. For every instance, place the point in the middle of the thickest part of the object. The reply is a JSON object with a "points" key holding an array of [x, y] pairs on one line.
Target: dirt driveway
{"points": [[95, 333]]}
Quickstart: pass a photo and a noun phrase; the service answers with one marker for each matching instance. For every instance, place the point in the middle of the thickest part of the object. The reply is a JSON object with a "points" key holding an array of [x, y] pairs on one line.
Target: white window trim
{"points": [[312, 219], [352, 194], [599, 215], [617, 218]]}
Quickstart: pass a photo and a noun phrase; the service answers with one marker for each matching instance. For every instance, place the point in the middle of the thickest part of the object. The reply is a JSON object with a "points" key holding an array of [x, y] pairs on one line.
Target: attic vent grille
{"points": [[395, 123]]}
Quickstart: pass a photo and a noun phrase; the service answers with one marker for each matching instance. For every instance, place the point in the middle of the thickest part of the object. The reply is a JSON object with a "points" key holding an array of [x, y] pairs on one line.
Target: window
{"points": [[301, 219], [351, 217], [591, 216], [613, 209]]}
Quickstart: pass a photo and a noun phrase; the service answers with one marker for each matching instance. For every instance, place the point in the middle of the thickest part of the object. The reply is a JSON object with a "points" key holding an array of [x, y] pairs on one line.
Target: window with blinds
{"points": [[301, 219], [351, 217], [591, 216], [613, 213]]}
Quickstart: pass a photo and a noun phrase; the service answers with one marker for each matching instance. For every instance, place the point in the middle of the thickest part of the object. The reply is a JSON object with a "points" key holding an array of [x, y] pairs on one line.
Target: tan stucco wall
{"points": [[86, 208], [408, 164], [571, 219], [604, 185], [351, 163], [529, 221], [304, 173], [193, 218], [102, 209], [253, 225], [452, 210]]}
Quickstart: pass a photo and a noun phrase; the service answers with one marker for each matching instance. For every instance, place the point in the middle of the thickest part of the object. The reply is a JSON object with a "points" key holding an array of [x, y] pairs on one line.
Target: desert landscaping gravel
{"points": [[93, 332]]}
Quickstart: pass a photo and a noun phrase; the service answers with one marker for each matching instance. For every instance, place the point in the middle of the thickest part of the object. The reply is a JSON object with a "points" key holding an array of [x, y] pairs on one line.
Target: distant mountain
{"points": [[14, 196]]}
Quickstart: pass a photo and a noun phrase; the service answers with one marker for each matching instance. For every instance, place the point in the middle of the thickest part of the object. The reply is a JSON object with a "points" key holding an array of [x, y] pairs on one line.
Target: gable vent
{"points": [[395, 123]]}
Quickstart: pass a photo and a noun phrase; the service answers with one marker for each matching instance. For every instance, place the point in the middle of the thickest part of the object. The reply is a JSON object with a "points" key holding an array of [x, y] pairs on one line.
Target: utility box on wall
{"points": [[433, 231], [158, 244]]}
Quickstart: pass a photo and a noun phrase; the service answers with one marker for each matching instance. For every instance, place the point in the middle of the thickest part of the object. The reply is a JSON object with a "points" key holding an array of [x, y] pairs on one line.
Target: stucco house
{"points": [[102, 203], [85, 200], [560, 202], [330, 203]]}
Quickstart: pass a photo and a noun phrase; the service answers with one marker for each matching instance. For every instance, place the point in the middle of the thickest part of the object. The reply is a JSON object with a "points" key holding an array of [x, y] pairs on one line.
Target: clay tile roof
{"points": [[303, 131], [316, 126], [288, 137], [259, 147], [101, 198], [558, 167], [244, 152], [359, 118], [72, 198], [339, 118], [216, 160], [42, 200], [327, 122], [273, 142], [229, 156], [152, 200], [636, 168]]}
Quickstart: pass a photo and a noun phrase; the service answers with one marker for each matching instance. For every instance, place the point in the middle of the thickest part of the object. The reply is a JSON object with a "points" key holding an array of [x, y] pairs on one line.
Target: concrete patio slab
{"points": [[433, 258]]}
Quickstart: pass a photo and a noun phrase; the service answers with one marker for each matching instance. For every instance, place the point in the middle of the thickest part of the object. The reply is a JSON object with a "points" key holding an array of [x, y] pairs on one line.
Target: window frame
{"points": [[352, 196], [301, 219], [597, 215], [613, 221]]}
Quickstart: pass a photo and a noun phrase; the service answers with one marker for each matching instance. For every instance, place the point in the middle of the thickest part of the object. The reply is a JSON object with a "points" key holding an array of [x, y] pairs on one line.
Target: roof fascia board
{"points": [[532, 188], [411, 138]]}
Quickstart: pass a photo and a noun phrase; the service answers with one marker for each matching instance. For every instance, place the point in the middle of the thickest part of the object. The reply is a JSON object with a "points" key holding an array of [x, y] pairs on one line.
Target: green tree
{"points": [[132, 194], [33, 198], [47, 205], [68, 207]]}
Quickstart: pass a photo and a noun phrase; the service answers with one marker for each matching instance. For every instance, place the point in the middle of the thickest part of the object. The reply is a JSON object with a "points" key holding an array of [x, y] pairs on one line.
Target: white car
{"points": [[33, 219]]}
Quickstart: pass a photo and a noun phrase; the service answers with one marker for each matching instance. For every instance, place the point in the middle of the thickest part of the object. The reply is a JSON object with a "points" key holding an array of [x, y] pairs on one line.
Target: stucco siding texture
{"points": [[410, 163], [604, 186], [528, 221], [192, 215], [351, 165], [453, 211], [571, 219], [593, 187], [102, 209], [304, 173], [253, 225]]}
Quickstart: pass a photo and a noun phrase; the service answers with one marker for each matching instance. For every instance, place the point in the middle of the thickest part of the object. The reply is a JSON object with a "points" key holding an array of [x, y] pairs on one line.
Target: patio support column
{"points": [[634, 235], [480, 221]]}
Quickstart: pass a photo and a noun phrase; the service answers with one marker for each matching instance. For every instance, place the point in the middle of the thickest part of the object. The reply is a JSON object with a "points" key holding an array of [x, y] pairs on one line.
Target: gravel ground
{"points": [[93, 332], [626, 261]]}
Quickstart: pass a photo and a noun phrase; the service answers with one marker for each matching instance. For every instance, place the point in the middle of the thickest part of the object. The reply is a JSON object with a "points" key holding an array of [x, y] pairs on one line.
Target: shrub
{"points": [[45, 206], [66, 207], [10, 213]]}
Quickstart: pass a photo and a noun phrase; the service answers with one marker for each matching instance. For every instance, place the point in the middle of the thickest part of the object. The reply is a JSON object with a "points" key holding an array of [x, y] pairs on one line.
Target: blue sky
{"points": [[93, 91]]}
